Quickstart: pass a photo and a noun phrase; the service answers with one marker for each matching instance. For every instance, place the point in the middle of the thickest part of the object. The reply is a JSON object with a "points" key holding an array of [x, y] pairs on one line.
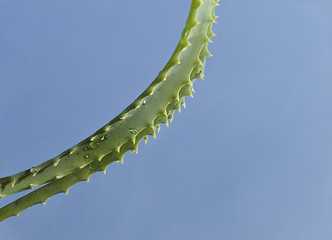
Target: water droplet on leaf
{"points": [[103, 138], [34, 170], [133, 131]]}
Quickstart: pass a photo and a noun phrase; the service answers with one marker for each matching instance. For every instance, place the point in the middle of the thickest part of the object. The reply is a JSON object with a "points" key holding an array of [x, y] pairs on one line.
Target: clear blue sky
{"points": [[249, 158]]}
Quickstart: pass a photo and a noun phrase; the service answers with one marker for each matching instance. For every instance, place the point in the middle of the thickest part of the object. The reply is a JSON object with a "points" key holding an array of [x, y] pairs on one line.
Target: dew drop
{"points": [[93, 145], [87, 156], [34, 170], [145, 101], [33, 185], [103, 138], [133, 131]]}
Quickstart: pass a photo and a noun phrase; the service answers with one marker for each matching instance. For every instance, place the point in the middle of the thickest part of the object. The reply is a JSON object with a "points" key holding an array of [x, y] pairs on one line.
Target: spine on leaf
{"points": [[154, 106]]}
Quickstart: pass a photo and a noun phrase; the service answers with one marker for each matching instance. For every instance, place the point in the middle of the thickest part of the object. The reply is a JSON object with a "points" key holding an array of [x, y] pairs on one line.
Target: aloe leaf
{"points": [[154, 106]]}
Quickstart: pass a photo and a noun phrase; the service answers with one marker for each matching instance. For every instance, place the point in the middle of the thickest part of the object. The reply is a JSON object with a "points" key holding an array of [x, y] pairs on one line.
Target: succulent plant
{"points": [[141, 118]]}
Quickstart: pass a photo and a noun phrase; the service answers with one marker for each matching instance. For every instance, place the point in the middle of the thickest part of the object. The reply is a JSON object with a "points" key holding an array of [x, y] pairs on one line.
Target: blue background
{"points": [[249, 158]]}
